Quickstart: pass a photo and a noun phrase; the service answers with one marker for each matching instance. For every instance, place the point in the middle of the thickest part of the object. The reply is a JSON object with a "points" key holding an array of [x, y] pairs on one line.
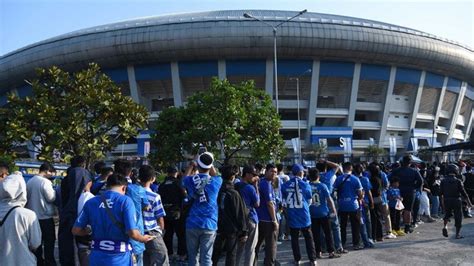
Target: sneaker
{"points": [[400, 233], [390, 236], [430, 219], [342, 251], [419, 222], [334, 256]]}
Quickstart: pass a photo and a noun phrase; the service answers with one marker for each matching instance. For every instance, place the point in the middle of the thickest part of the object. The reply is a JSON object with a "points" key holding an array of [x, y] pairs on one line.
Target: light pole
{"points": [[275, 28], [298, 110]]}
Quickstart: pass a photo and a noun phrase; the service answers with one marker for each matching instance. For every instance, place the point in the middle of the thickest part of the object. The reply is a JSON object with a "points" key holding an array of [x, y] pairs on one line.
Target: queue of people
{"points": [[122, 217]]}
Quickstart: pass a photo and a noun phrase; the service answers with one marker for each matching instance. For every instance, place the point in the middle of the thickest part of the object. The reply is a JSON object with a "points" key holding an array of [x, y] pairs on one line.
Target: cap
{"points": [[249, 170], [297, 168], [205, 160]]}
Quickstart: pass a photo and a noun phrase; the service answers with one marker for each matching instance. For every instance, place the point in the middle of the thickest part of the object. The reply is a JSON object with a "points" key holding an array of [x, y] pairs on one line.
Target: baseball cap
{"points": [[249, 170], [205, 160], [297, 168]]}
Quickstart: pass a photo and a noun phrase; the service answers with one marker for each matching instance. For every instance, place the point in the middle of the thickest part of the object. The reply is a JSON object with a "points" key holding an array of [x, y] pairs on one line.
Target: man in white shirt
{"points": [[20, 232], [41, 196]]}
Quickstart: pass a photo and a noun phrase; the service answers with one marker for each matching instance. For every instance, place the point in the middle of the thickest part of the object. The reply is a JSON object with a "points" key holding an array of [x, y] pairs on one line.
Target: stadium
{"points": [[343, 82]]}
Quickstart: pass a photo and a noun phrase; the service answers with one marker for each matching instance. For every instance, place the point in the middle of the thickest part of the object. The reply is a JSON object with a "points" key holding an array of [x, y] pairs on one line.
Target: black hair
{"points": [[269, 166], [116, 180], [394, 179], [146, 173], [228, 171], [77, 161], [4, 165], [321, 167], [47, 167], [106, 170], [98, 167], [279, 167], [406, 160], [358, 169], [258, 166], [122, 167], [313, 174], [346, 166], [205, 159]]}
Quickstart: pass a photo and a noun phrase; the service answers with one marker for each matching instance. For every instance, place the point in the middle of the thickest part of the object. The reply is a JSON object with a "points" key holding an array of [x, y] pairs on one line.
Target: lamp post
{"points": [[298, 110], [275, 28]]}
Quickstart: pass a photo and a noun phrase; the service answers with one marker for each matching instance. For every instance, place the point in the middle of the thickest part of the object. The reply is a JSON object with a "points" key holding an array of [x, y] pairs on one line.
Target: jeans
{"points": [[367, 221], [227, 242], [246, 250], [139, 259], [336, 232], [268, 233], [200, 241], [156, 252], [308, 238], [363, 228], [434, 205], [48, 237]]}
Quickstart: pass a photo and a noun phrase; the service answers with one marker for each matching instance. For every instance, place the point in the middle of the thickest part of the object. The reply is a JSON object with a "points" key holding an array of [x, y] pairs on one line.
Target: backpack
{"points": [[239, 187]]}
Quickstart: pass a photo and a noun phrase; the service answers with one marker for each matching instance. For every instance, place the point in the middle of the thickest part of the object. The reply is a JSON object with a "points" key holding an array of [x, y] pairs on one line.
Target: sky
{"points": [[24, 22]]}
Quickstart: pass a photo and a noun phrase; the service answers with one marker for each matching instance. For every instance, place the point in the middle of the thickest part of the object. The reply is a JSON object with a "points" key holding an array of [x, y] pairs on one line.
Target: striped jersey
{"points": [[151, 216]]}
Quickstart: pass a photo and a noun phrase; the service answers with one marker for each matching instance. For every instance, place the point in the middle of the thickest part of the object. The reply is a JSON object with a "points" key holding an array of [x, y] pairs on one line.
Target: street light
{"points": [[275, 28], [298, 106]]}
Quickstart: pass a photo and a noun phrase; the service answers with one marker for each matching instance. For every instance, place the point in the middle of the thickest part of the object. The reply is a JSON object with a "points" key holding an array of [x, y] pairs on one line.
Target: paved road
{"points": [[426, 246]]}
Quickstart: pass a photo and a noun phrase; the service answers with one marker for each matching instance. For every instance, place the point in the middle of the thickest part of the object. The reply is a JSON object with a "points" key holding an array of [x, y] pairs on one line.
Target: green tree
{"points": [[230, 120], [374, 152], [80, 113]]}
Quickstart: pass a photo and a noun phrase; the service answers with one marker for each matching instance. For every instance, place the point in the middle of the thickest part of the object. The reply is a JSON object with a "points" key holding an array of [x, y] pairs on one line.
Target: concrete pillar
{"points": [[313, 101], [354, 92], [467, 133], [457, 108], [176, 83], [386, 112], [416, 105], [221, 70], [132, 83], [269, 77], [440, 102]]}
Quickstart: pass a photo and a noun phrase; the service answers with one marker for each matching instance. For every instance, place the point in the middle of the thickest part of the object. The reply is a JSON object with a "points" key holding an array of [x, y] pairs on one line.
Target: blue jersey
{"points": [[156, 211], [202, 190], [393, 194], [251, 198], [319, 207], [367, 186], [328, 179], [297, 197], [140, 200], [348, 190], [106, 235], [267, 194], [98, 187], [385, 184]]}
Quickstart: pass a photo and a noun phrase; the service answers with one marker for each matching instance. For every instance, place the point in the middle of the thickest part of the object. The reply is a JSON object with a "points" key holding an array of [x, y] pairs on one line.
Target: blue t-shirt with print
{"points": [[251, 198], [267, 194], [367, 186], [347, 192], [385, 184], [319, 207], [203, 190], [104, 229], [328, 179], [393, 194], [140, 200], [297, 196]]}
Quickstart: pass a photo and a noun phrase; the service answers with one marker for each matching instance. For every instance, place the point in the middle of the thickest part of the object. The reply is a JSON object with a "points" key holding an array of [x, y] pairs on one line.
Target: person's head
{"points": [[270, 172], [249, 174], [297, 170], [258, 168], [117, 182], [146, 174], [78, 161], [358, 169], [172, 171], [313, 174], [452, 169], [395, 181], [279, 167], [228, 173], [406, 160], [4, 170], [105, 172], [321, 166], [347, 167], [123, 167], [374, 170], [13, 190], [204, 162], [47, 170], [98, 167]]}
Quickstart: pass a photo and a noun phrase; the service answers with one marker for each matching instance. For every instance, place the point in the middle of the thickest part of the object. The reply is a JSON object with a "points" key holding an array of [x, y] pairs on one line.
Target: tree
{"points": [[374, 152], [317, 151], [228, 119], [81, 113]]}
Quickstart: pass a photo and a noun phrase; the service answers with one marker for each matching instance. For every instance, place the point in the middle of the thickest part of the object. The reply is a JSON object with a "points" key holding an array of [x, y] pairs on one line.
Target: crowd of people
{"points": [[118, 216]]}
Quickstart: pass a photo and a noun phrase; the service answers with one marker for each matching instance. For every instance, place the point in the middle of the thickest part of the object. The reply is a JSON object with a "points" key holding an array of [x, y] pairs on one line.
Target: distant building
{"points": [[371, 82]]}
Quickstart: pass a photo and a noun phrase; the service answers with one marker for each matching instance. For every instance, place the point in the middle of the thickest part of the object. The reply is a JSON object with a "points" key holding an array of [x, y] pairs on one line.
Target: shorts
{"points": [[408, 200]]}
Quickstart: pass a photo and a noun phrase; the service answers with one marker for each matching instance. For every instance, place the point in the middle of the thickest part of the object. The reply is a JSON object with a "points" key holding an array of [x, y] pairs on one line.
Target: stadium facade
{"points": [[371, 83]]}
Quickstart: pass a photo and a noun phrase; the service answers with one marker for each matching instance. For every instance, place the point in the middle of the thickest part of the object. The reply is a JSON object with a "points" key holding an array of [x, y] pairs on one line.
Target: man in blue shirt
{"points": [[112, 221], [320, 214], [248, 190], [201, 224], [349, 193], [268, 223], [296, 200], [327, 171]]}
